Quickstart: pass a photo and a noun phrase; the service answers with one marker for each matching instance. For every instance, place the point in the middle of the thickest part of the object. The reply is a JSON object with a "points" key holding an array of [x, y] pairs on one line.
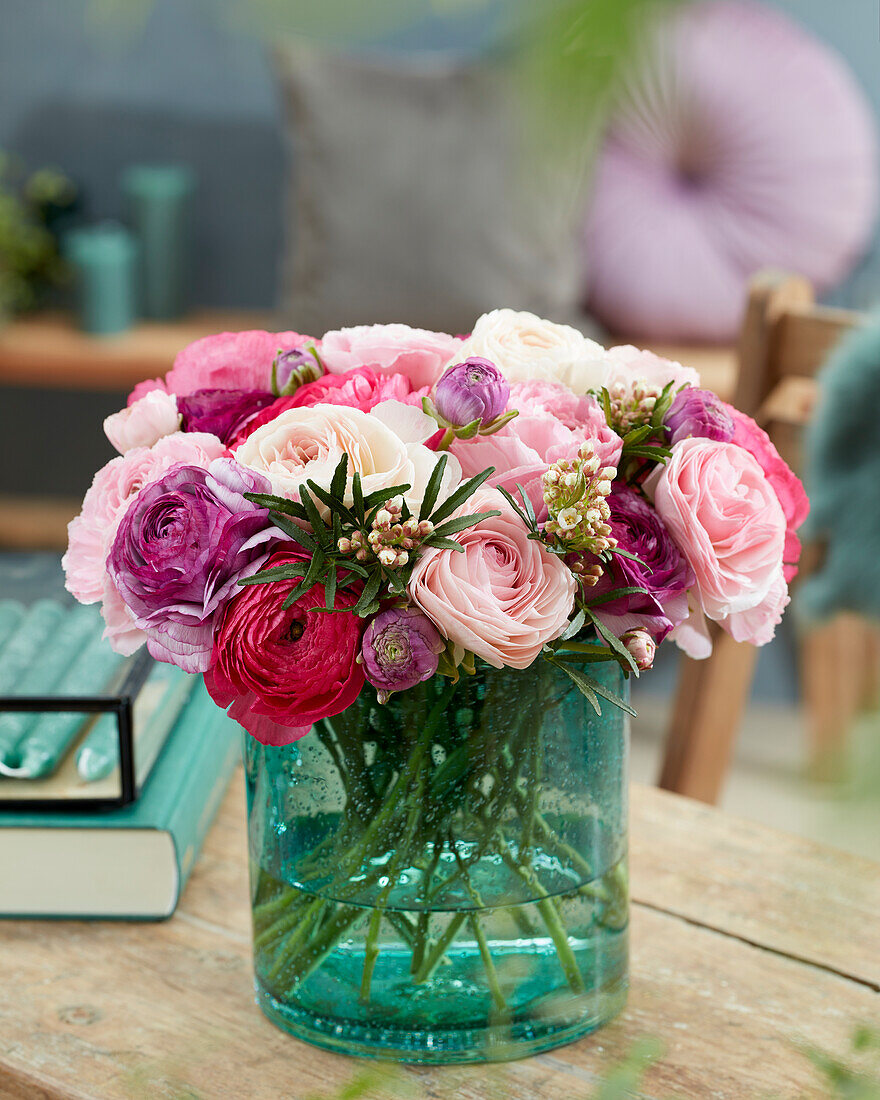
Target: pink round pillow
{"points": [[744, 143]]}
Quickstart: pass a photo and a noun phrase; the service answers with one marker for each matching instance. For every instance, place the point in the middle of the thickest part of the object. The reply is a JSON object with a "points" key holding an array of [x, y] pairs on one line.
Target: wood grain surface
{"points": [[746, 943]]}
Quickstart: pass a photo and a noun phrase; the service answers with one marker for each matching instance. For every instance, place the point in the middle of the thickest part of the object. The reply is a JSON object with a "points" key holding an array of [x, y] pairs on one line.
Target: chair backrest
{"points": [[784, 340]]}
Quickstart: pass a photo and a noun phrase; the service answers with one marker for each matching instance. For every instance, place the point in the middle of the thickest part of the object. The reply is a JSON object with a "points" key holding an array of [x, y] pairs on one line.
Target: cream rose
{"points": [[504, 597], [386, 447], [525, 347]]}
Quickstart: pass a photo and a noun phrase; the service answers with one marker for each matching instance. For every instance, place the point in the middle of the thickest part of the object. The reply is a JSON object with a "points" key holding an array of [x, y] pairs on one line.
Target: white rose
{"points": [[525, 347], [386, 447], [143, 423]]}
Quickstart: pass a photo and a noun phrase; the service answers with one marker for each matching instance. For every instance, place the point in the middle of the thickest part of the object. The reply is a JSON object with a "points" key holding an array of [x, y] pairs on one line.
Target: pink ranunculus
{"points": [[725, 517], [627, 364], [227, 361], [390, 349], [504, 597], [362, 388], [113, 488], [551, 425], [144, 422], [786, 484]]}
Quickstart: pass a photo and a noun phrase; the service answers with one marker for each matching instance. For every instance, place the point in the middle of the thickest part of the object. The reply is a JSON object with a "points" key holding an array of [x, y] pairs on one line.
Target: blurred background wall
{"points": [[187, 84]]}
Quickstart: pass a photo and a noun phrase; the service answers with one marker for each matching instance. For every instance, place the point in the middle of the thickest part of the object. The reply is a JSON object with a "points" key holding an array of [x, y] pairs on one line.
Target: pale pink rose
{"points": [[758, 624], [552, 424], [725, 517], [91, 533], [386, 447], [627, 364], [120, 629], [144, 422], [786, 484], [390, 349], [504, 597], [227, 361]]}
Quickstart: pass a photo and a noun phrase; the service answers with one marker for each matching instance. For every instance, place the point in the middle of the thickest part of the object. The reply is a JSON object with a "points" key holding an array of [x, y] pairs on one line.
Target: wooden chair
{"points": [[784, 340]]}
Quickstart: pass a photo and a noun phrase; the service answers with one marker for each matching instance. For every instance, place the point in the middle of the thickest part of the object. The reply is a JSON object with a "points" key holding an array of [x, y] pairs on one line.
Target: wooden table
{"points": [[745, 942]]}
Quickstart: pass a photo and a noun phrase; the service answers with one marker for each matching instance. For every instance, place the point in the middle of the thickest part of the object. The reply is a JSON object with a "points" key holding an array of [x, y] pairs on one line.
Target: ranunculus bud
{"points": [[473, 390], [293, 368], [699, 413], [400, 648], [641, 647]]}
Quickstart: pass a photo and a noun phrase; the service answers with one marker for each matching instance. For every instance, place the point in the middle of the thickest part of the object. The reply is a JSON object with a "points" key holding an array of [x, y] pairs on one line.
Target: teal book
{"points": [[131, 863]]}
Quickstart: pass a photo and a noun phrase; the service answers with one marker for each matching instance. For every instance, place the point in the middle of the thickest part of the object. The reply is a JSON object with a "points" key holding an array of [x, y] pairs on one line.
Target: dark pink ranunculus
{"points": [[696, 412], [227, 361], [223, 413], [785, 483], [362, 389], [180, 550], [665, 574], [278, 669]]}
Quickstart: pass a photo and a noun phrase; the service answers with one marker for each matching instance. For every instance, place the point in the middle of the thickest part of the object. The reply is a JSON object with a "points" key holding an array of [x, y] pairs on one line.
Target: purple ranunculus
{"points": [[297, 361], [400, 648], [699, 413], [665, 574], [473, 390], [221, 412], [180, 550]]}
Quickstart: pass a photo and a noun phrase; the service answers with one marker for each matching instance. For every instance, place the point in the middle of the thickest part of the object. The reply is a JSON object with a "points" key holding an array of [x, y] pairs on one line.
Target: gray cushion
{"points": [[419, 196]]}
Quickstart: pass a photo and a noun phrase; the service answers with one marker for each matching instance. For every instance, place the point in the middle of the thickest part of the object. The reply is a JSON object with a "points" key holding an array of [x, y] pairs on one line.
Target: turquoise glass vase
{"points": [[442, 877]]}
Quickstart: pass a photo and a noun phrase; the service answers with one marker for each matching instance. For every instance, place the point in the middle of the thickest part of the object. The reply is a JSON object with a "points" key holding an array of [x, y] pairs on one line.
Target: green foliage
{"points": [[334, 568], [29, 259]]}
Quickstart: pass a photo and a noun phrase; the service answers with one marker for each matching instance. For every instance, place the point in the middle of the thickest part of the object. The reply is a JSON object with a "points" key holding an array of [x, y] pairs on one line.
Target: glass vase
{"points": [[442, 877]]}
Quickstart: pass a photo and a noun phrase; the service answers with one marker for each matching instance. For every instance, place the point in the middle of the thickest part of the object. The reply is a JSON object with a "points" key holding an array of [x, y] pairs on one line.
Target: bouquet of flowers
{"points": [[359, 534]]}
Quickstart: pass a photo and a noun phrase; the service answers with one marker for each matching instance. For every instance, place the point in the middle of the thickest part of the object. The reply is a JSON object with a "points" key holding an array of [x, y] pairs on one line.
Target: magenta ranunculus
{"points": [[280, 669], [227, 361], [665, 574], [180, 551], [786, 484], [362, 389], [699, 413], [400, 648], [223, 413], [473, 390]]}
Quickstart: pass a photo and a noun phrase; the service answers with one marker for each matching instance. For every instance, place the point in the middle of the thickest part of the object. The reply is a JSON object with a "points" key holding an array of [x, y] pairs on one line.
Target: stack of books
{"points": [[111, 770]]}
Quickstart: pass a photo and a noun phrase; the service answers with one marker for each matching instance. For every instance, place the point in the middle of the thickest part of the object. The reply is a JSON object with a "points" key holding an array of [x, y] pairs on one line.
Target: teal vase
{"points": [[442, 877]]}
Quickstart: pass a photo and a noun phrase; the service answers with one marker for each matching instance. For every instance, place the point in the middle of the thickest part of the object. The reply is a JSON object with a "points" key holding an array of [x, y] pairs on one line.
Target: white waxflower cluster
{"points": [[631, 405], [389, 539], [575, 492]]}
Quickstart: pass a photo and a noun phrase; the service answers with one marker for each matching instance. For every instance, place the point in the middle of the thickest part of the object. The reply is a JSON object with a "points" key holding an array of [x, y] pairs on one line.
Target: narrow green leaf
{"points": [[617, 593], [600, 655], [468, 431], [340, 478], [631, 556], [334, 503], [581, 682], [304, 539], [509, 498], [381, 496], [433, 487], [277, 504], [615, 642], [452, 526], [637, 435], [443, 544], [371, 589], [357, 495], [276, 573], [460, 495], [574, 626], [658, 454], [608, 694], [527, 504], [354, 567], [606, 405], [321, 533], [330, 588]]}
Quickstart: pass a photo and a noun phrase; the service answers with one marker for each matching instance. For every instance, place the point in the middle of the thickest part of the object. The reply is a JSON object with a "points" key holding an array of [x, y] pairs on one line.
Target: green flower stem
{"points": [[371, 953], [435, 952], [489, 966], [309, 960], [549, 914]]}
